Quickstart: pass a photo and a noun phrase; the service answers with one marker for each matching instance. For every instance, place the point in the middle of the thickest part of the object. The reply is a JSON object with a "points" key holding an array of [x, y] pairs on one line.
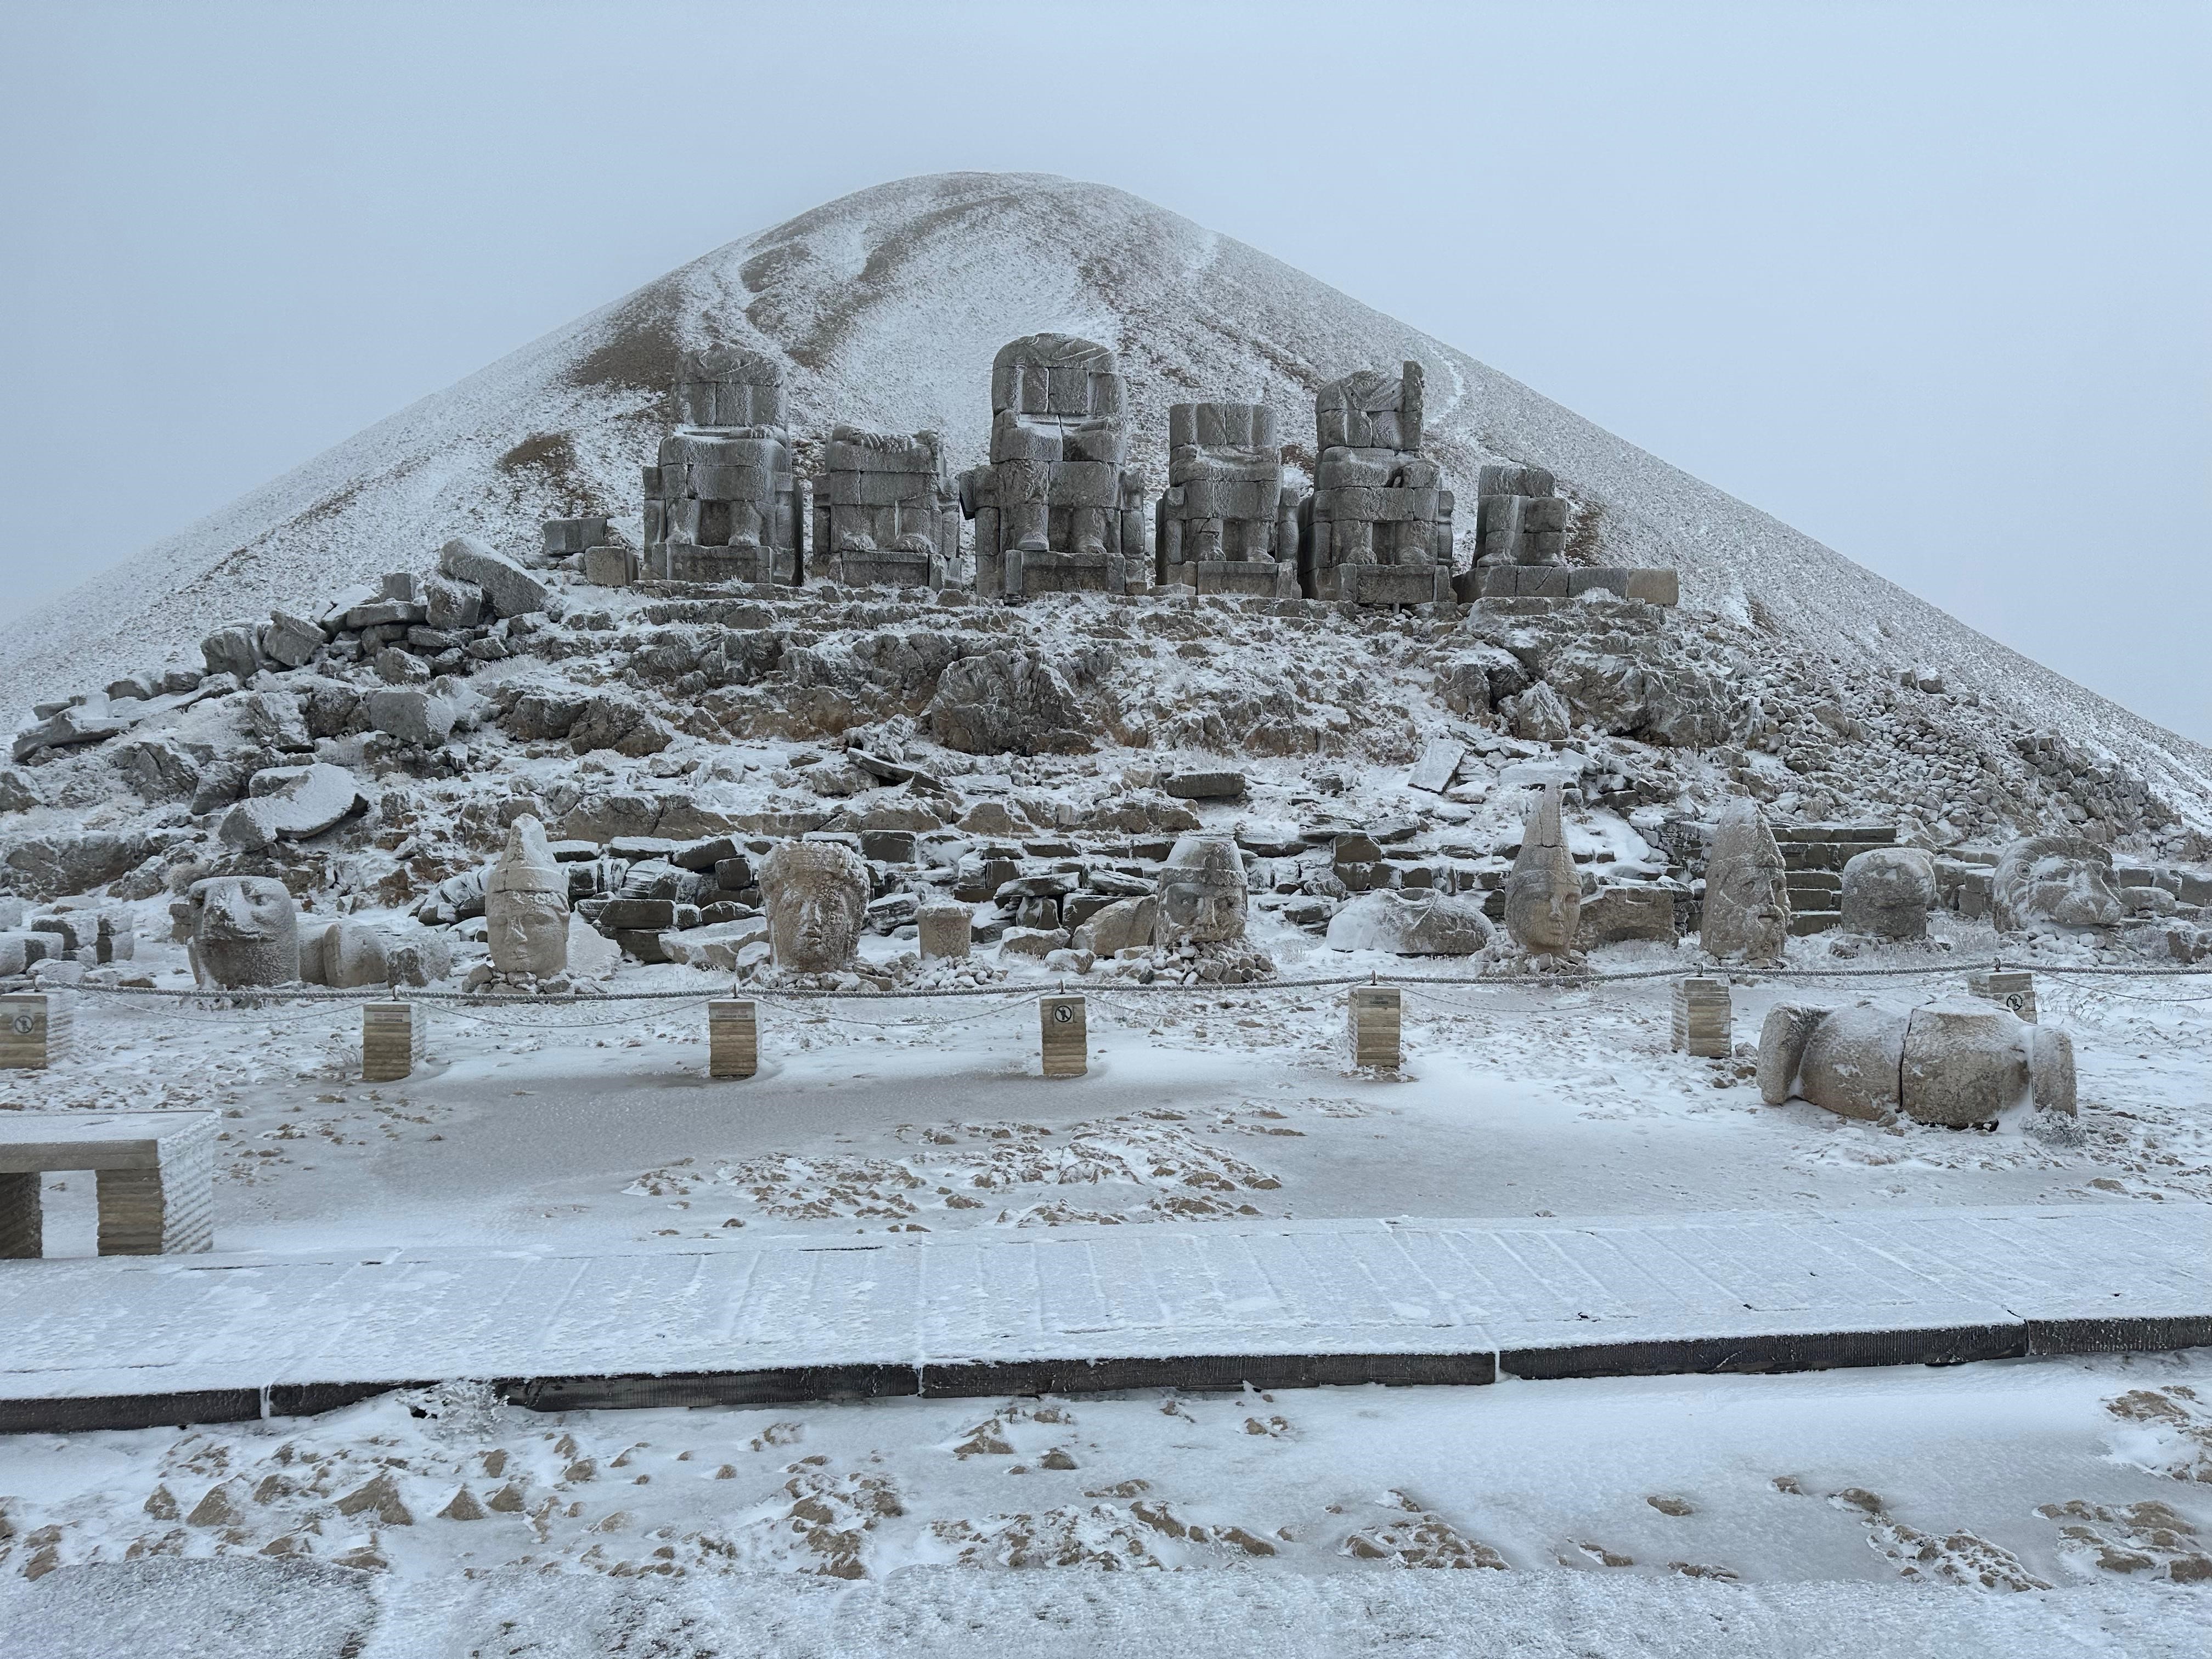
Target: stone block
{"points": [[611, 567], [513, 591], [392, 1034], [1374, 1015], [944, 931], [1655, 587], [2011, 989], [1063, 1036], [36, 1030], [154, 1176], [732, 1038], [1703, 1024], [888, 846]]}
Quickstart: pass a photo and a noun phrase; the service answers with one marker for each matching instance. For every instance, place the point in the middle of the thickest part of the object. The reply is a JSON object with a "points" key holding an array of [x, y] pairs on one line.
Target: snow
{"points": [[887, 306]]}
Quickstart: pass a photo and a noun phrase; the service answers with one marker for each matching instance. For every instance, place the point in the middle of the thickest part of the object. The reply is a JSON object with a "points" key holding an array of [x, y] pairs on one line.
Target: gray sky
{"points": [[1928, 282]]}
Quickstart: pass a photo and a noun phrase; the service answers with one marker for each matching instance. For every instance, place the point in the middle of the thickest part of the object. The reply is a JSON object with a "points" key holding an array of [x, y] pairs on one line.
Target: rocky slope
{"points": [[887, 306]]}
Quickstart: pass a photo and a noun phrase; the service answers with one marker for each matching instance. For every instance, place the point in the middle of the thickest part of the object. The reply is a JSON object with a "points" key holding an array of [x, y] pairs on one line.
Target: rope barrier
{"points": [[1565, 980]]}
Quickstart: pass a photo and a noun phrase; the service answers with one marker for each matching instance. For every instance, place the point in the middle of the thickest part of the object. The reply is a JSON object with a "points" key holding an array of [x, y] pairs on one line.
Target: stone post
{"points": [[2011, 989], [945, 931], [1374, 1010], [1703, 1025], [35, 1030], [733, 1039], [1063, 1033], [391, 1041]]}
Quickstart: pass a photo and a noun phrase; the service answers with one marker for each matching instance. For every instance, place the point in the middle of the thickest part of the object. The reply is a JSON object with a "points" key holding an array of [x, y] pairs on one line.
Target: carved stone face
{"points": [[526, 905], [248, 931], [1202, 893], [528, 933], [816, 895], [1747, 888], [2047, 882]]}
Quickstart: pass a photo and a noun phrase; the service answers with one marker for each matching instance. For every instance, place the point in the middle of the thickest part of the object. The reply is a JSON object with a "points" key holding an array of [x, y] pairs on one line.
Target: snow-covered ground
{"points": [[1662, 1506]]}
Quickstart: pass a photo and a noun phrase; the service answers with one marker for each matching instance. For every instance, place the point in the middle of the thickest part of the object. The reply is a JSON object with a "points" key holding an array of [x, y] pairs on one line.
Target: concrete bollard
{"points": [[1704, 1021], [1064, 1036], [36, 1030], [733, 1039], [1375, 1013], [2011, 989], [391, 1041]]}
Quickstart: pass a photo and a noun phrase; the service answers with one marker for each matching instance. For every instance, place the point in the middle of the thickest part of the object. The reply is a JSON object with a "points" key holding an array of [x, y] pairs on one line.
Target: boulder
{"points": [[1411, 924], [1614, 915], [292, 640], [17, 794], [1888, 891], [158, 768], [231, 649], [718, 947], [46, 866], [451, 605], [618, 724], [513, 591], [1538, 715], [292, 803], [418, 959], [419, 717], [1125, 925], [1036, 942], [1006, 702]]}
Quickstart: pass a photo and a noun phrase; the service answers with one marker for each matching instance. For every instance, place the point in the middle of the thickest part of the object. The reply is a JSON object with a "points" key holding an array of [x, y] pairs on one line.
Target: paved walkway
{"points": [[121, 1340]]}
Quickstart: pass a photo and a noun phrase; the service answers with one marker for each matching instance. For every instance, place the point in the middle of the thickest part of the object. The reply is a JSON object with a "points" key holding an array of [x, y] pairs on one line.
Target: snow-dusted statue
{"points": [[526, 906], [1888, 892], [2053, 884], [246, 931], [1377, 530], [816, 893], [1202, 894], [1225, 524], [1746, 917], [884, 511], [722, 503], [1544, 891], [1960, 1062], [1056, 510]]}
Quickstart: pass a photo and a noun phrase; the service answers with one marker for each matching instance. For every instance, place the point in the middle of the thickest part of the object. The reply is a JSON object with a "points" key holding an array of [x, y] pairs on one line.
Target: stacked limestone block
{"points": [[885, 513], [1377, 530], [1521, 532], [1226, 524], [1056, 510], [1815, 854], [722, 504]]}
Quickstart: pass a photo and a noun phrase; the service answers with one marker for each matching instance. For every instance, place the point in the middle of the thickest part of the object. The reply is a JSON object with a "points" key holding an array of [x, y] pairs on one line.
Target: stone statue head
{"points": [[526, 905], [1747, 909], [1544, 891], [246, 931], [2053, 884], [1202, 893], [816, 893]]}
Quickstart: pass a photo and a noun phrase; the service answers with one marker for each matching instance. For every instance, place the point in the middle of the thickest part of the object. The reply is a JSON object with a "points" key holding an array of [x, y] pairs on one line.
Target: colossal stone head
{"points": [[2052, 883], [246, 932], [1202, 893], [1543, 892], [816, 893], [1888, 892], [1957, 1062], [526, 905], [1747, 888]]}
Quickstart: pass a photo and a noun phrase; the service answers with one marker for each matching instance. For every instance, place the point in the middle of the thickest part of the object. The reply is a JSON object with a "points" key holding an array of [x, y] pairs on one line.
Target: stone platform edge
{"points": [[1734, 1355]]}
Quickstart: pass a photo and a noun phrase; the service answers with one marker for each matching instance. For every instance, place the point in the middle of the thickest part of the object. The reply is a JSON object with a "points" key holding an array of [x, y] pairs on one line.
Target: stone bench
{"points": [[155, 1172]]}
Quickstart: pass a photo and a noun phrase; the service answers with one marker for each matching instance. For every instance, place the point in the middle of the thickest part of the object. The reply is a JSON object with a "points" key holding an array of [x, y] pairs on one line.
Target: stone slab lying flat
{"points": [[120, 1343]]}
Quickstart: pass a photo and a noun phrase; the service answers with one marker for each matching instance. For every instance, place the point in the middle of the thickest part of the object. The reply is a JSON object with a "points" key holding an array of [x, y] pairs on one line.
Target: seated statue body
{"points": [[1377, 529], [1225, 524], [1056, 509], [884, 511], [722, 503]]}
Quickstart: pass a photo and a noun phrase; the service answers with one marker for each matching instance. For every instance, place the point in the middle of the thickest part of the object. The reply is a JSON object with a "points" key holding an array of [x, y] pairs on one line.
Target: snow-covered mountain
{"points": [[887, 306]]}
